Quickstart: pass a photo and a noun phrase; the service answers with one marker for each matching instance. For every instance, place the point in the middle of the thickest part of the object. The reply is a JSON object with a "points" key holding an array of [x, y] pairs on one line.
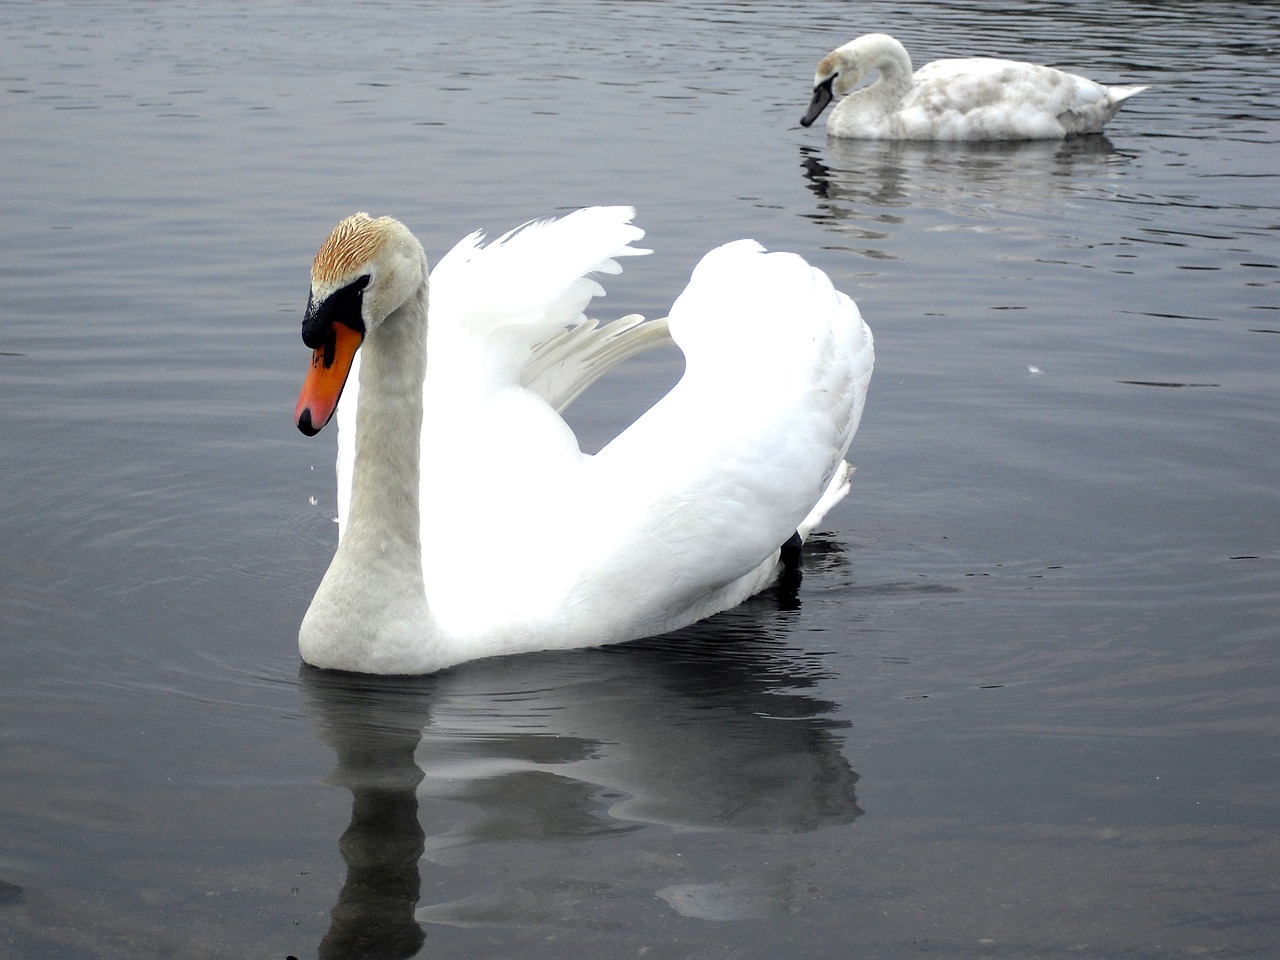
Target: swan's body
{"points": [[978, 98], [470, 522]]}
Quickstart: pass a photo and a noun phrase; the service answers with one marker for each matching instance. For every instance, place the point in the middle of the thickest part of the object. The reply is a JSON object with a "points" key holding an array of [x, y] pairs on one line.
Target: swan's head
{"points": [[363, 273], [843, 69]]}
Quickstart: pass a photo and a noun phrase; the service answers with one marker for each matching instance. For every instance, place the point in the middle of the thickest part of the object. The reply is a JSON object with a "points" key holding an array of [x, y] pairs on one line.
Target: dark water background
{"points": [[1025, 702]]}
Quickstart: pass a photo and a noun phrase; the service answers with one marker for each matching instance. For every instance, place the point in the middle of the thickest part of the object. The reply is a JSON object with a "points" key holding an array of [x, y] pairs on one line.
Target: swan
{"points": [[470, 522], [978, 98]]}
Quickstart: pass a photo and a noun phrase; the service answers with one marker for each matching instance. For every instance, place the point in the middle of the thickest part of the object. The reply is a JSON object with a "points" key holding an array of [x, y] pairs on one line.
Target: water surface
{"points": [[1023, 703]]}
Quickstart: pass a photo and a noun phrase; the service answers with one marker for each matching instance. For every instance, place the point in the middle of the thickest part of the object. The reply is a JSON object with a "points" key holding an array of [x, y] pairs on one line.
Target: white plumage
{"points": [[470, 522], [978, 98]]}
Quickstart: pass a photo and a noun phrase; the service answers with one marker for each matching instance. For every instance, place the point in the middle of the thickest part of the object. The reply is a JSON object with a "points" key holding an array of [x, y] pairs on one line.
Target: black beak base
{"points": [[822, 96], [342, 306]]}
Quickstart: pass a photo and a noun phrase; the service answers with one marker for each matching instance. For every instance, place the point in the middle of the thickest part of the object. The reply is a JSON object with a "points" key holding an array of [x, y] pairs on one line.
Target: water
{"points": [[1024, 701]]}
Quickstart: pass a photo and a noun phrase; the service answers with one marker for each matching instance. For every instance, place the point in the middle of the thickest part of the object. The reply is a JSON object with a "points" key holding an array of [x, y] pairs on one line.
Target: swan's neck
{"points": [[385, 478], [370, 611], [890, 60]]}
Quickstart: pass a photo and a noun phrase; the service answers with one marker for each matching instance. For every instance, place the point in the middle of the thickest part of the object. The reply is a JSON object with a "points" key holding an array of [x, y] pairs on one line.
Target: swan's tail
{"points": [[835, 492], [1118, 94]]}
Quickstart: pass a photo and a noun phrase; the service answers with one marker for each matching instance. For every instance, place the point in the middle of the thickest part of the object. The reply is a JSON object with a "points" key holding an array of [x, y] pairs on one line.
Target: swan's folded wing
{"points": [[719, 473], [988, 98]]}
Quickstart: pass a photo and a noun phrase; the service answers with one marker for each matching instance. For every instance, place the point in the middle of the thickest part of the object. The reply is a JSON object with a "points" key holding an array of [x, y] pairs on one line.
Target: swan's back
{"points": [[985, 98]]}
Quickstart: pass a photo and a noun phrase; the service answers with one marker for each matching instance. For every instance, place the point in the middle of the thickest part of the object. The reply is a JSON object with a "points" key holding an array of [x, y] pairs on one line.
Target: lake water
{"points": [[1025, 702]]}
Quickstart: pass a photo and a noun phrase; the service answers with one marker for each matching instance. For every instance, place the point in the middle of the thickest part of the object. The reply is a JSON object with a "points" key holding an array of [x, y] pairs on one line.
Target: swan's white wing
{"points": [[490, 397], [690, 504], [508, 345], [530, 283], [985, 97]]}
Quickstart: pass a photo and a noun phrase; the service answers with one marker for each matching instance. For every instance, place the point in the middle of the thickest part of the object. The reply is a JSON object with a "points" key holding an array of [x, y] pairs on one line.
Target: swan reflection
{"points": [[712, 729], [374, 729], [867, 188]]}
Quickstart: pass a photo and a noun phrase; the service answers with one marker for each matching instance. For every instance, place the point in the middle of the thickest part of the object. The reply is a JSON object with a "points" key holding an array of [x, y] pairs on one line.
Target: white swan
{"points": [[978, 98], [470, 522]]}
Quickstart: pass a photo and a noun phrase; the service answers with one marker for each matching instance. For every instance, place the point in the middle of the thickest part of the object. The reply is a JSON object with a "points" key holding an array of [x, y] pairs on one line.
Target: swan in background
{"points": [[978, 98], [471, 524]]}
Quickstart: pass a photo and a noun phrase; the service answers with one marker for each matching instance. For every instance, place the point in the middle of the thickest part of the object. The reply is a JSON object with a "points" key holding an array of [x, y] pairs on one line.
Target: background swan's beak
{"points": [[330, 364], [822, 95]]}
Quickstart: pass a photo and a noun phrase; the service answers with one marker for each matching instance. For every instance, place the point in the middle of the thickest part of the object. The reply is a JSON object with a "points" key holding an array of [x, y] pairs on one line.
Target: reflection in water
{"points": [[373, 727], [704, 730], [866, 186]]}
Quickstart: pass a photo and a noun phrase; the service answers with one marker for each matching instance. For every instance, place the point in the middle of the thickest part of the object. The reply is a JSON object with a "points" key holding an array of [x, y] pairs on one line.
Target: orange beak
{"points": [[323, 385]]}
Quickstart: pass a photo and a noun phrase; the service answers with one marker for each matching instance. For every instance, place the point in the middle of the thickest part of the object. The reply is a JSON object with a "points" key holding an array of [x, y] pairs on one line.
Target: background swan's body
{"points": [[470, 522], [977, 98]]}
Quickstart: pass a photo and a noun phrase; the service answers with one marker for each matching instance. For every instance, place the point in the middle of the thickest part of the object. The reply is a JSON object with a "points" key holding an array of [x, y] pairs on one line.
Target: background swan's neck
{"points": [[890, 60]]}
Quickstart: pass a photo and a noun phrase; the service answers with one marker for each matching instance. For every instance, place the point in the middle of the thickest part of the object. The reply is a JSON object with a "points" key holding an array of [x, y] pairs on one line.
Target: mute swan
{"points": [[972, 99], [470, 522]]}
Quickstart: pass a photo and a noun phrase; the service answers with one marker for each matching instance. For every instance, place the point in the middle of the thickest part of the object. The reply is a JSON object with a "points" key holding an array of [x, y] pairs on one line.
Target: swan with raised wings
{"points": [[471, 524], [976, 98]]}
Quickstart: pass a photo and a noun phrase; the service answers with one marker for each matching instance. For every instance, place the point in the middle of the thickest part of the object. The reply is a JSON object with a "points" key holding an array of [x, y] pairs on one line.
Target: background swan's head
{"points": [[366, 270], [843, 69], [837, 74]]}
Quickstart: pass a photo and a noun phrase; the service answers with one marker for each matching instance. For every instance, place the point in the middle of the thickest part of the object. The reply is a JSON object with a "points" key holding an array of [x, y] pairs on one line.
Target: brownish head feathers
{"points": [[354, 241]]}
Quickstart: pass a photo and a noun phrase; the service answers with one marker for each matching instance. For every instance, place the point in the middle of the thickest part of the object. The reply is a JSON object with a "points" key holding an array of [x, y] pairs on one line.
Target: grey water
{"points": [[1024, 702]]}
